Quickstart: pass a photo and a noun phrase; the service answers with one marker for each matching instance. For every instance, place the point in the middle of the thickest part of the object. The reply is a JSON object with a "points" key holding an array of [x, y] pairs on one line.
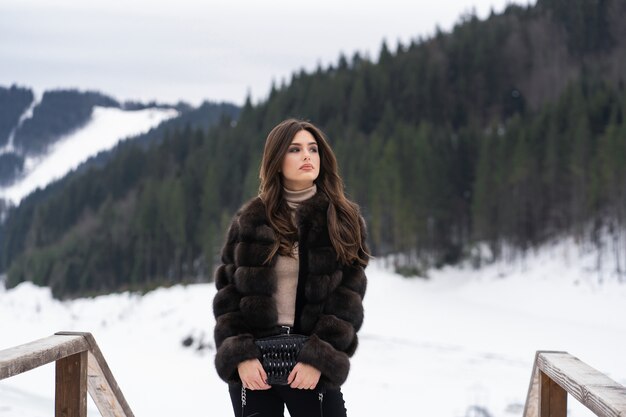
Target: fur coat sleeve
{"points": [[234, 340], [333, 338]]}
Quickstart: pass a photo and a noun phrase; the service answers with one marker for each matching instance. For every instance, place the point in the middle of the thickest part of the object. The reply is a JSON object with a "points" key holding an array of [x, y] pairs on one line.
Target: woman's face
{"points": [[301, 164]]}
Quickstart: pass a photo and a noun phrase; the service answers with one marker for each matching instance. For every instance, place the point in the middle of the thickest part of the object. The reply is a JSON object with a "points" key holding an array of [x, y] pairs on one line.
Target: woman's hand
{"points": [[303, 376], [252, 374]]}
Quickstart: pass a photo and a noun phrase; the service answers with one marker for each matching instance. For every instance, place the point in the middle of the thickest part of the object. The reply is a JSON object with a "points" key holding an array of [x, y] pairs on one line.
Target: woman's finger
{"points": [[299, 382], [262, 373], [262, 378], [262, 384], [250, 383], [291, 377], [294, 373]]}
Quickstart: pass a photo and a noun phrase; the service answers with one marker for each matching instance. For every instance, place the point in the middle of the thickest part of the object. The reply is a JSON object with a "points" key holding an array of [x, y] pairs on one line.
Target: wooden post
{"points": [[71, 386], [552, 398]]}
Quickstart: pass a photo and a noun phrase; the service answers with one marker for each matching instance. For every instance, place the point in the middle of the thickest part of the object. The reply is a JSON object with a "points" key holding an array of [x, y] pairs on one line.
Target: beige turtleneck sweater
{"points": [[286, 267]]}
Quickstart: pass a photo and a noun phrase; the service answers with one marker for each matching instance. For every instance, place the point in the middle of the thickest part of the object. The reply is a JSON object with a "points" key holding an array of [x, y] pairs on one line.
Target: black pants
{"points": [[300, 402]]}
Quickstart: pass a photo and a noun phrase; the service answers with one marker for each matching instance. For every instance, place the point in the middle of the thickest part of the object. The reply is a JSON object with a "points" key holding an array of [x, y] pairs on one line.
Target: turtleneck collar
{"points": [[296, 197]]}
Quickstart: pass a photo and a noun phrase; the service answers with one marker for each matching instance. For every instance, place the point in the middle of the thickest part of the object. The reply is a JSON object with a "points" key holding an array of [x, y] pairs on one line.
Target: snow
{"points": [[436, 346], [107, 127]]}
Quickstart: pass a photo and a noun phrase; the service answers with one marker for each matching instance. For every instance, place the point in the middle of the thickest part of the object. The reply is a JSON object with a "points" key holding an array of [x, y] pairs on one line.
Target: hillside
{"points": [[106, 127], [14, 102], [70, 130], [482, 142], [58, 113], [30, 125]]}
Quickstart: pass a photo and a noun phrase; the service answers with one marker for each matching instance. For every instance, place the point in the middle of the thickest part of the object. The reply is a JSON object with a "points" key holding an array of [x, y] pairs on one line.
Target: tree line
{"points": [[449, 144]]}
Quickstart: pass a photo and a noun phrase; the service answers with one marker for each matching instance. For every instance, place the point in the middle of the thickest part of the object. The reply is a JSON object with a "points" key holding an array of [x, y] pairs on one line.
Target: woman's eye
{"points": [[313, 149], [293, 149]]}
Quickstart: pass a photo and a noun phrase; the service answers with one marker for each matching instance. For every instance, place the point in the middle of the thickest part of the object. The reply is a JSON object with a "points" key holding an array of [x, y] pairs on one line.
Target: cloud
{"points": [[196, 50]]}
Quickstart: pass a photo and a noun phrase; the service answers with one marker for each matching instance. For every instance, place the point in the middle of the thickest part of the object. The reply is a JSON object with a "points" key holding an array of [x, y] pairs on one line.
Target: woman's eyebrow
{"points": [[310, 143]]}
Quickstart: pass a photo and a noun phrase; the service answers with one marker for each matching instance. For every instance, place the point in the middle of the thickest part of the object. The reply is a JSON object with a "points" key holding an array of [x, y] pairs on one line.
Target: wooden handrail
{"points": [[80, 362], [80, 368], [556, 374]]}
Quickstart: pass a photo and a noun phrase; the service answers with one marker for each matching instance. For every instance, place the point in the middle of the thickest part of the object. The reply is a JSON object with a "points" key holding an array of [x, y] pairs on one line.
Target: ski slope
{"points": [[107, 127]]}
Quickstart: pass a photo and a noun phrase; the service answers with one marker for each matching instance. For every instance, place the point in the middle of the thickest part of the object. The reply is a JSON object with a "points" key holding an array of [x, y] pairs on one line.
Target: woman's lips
{"points": [[307, 168]]}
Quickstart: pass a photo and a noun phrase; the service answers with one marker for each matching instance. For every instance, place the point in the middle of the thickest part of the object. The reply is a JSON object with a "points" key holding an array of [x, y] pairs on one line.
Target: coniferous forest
{"points": [[503, 134]]}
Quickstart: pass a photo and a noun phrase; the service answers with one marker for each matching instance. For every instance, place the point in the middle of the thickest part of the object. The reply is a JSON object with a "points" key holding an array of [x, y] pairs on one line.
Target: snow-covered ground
{"points": [[105, 129], [428, 347]]}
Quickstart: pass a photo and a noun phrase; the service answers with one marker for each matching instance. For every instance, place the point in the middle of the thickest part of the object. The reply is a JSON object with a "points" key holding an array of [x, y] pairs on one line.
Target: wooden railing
{"points": [[80, 367], [555, 374]]}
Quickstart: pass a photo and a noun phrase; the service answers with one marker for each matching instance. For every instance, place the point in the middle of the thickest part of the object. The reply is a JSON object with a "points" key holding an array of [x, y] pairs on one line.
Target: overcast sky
{"points": [[210, 49]]}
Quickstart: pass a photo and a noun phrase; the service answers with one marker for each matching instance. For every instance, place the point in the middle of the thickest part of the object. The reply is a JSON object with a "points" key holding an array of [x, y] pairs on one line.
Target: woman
{"points": [[293, 262]]}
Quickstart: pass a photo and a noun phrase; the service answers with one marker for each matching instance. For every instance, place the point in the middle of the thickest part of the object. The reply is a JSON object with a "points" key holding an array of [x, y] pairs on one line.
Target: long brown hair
{"points": [[343, 214]]}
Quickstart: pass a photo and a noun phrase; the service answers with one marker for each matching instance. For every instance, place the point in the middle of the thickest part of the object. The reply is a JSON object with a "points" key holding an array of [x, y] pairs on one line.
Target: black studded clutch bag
{"points": [[279, 354]]}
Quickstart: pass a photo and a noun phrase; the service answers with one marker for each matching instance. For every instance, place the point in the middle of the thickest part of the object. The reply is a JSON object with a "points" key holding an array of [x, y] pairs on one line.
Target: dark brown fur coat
{"points": [[328, 305]]}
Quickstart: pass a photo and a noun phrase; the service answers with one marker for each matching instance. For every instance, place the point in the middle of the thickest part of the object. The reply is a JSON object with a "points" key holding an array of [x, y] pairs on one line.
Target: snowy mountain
{"points": [[106, 170], [463, 338], [30, 123], [105, 129], [44, 136]]}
